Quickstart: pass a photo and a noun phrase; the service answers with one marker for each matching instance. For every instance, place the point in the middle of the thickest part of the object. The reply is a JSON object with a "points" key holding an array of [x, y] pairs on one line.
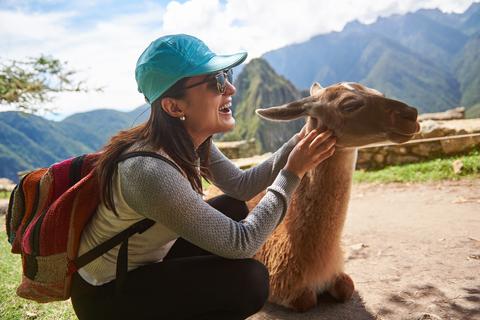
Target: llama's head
{"points": [[356, 114]]}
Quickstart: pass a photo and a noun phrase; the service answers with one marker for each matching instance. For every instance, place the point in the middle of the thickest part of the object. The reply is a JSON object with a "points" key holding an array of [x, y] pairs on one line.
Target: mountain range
{"points": [[258, 85], [28, 141], [428, 59]]}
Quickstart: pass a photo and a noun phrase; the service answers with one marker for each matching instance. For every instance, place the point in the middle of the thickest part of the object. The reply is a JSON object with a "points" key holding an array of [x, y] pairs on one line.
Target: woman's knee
{"points": [[255, 285], [231, 207]]}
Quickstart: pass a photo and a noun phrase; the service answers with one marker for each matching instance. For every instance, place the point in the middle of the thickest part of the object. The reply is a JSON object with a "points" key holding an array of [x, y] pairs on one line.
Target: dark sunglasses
{"points": [[220, 79]]}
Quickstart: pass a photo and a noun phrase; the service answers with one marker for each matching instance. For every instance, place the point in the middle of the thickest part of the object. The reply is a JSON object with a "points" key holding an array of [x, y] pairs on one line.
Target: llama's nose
{"points": [[404, 111], [409, 113]]}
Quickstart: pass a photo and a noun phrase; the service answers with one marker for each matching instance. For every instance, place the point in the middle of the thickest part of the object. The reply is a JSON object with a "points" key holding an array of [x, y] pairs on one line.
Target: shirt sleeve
{"points": [[158, 191], [245, 184]]}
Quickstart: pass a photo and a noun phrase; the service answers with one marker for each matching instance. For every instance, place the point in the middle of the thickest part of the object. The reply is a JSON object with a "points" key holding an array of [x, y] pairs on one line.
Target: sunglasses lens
{"points": [[229, 74], [221, 85], [221, 80]]}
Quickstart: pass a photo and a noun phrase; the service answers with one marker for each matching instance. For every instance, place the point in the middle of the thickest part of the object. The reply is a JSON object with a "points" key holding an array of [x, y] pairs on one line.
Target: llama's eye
{"points": [[351, 106]]}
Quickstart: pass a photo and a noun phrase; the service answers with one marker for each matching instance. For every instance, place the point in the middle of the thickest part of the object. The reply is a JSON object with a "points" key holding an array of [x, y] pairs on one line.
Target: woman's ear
{"points": [[172, 107]]}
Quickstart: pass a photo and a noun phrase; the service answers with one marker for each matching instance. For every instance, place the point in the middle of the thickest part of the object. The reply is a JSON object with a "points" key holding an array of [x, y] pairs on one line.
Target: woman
{"points": [[195, 261]]}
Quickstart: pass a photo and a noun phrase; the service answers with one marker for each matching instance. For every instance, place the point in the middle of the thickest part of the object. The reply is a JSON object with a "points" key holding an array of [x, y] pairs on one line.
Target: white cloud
{"points": [[106, 51]]}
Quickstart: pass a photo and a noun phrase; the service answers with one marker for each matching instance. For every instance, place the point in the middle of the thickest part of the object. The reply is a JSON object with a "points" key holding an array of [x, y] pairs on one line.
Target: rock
{"points": [[400, 150], [398, 159], [245, 163], [432, 129], [456, 113], [6, 185], [3, 206], [238, 149], [426, 149], [364, 156], [453, 146], [426, 316], [457, 166], [379, 158]]}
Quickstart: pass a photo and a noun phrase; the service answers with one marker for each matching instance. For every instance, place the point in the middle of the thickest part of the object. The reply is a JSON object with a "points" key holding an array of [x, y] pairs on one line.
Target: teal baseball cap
{"points": [[173, 57]]}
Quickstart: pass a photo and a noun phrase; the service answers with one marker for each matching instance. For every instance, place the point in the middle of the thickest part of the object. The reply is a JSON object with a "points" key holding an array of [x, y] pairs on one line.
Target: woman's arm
{"points": [[158, 191], [245, 184]]}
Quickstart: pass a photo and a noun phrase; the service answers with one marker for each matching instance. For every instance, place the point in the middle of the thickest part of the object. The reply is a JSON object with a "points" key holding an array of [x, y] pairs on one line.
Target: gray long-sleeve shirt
{"points": [[149, 187]]}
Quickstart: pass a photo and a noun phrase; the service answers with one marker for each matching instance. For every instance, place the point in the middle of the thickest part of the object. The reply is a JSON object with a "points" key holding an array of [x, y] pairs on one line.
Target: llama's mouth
{"points": [[401, 137], [398, 137]]}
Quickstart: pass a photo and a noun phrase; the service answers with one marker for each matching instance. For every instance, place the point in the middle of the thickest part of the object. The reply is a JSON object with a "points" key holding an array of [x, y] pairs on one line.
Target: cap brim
{"points": [[219, 62]]}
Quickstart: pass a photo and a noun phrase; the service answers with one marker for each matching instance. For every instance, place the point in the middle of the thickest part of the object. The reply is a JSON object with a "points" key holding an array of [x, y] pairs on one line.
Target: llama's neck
{"points": [[320, 204]]}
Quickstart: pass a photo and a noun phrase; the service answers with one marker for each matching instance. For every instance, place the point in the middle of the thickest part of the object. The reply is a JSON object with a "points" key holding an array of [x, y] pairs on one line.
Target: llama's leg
{"points": [[305, 301], [343, 287]]}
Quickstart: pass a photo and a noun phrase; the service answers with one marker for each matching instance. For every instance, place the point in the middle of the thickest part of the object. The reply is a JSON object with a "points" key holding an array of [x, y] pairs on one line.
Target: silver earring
{"points": [[182, 118]]}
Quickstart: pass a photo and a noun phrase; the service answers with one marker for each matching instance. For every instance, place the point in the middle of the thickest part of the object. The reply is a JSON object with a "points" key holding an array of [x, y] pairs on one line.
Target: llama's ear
{"points": [[289, 111], [315, 88]]}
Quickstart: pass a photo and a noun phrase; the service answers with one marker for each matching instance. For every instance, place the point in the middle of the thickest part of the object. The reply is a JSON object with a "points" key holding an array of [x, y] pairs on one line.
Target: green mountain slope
{"points": [[29, 141], [94, 127], [473, 111], [468, 22], [431, 40], [468, 71], [427, 58], [402, 75], [258, 86]]}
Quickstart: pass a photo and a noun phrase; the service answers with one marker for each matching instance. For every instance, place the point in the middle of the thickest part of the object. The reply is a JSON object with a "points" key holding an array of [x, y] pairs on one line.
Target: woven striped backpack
{"points": [[46, 215]]}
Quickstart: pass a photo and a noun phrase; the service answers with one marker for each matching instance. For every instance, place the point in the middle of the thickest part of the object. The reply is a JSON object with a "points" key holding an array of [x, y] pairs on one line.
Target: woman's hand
{"points": [[303, 132], [310, 151]]}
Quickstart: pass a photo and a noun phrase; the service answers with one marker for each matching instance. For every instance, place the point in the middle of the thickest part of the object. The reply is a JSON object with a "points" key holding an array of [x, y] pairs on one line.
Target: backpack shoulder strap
{"points": [[96, 252], [122, 237]]}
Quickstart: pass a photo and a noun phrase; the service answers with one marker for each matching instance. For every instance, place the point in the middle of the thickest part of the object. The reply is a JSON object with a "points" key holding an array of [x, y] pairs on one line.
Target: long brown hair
{"points": [[160, 131]]}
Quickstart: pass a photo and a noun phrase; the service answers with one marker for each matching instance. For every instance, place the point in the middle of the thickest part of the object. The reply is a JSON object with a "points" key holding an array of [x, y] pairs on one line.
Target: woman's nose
{"points": [[230, 89]]}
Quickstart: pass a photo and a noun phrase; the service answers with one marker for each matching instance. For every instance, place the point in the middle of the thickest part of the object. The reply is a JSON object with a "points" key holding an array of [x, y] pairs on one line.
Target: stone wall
{"points": [[244, 152], [416, 151], [238, 149]]}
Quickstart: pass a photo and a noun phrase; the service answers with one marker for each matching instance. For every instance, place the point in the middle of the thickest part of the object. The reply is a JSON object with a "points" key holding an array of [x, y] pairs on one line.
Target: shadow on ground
{"points": [[429, 300], [327, 309]]}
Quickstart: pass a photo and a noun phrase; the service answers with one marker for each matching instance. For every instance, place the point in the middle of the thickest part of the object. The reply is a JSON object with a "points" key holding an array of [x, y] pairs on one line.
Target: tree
{"points": [[26, 84]]}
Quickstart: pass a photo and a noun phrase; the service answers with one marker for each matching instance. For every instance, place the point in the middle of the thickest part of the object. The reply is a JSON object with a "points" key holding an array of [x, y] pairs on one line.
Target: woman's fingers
{"points": [[305, 142], [320, 138], [327, 153], [325, 150], [310, 151], [303, 132]]}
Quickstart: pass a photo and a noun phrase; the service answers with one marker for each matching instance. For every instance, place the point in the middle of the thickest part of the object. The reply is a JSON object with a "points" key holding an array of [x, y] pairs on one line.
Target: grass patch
{"points": [[473, 111], [205, 184], [13, 307], [433, 170], [5, 195]]}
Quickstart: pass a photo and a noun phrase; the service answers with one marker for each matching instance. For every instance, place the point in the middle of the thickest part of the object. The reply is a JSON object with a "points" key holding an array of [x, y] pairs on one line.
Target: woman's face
{"points": [[206, 110]]}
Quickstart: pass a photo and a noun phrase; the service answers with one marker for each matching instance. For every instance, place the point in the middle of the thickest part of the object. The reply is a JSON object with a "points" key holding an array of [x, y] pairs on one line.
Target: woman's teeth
{"points": [[225, 108]]}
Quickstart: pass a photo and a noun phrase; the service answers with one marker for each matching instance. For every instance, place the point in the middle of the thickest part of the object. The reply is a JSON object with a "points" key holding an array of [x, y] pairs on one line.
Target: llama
{"points": [[303, 255]]}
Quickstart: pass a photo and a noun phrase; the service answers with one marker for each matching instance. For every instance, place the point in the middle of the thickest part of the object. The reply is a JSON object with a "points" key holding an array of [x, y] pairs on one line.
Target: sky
{"points": [[102, 39]]}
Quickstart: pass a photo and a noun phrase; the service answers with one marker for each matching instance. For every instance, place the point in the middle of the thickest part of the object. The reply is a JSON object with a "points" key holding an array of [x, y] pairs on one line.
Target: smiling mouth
{"points": [[225, 108]]}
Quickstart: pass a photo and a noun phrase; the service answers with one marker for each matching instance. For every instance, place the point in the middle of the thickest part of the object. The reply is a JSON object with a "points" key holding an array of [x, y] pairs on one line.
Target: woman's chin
{"points": [[227, 125]]}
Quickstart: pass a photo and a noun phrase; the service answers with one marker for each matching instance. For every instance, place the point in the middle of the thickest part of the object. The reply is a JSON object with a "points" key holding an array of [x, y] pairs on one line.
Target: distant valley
{"points": [[428, 59]]}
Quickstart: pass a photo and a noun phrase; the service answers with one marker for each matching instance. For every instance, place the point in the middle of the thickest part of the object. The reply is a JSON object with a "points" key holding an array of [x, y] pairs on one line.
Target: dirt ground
{"points": [[413, 251]]}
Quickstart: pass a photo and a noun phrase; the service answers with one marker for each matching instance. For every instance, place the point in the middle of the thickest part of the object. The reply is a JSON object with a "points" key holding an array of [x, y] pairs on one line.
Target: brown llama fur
{"points": [[310, 233], [304, 255]]}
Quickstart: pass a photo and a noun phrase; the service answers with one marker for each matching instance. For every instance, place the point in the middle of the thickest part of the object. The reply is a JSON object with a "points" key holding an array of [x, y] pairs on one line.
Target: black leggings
{"points": [[190, 283]]}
